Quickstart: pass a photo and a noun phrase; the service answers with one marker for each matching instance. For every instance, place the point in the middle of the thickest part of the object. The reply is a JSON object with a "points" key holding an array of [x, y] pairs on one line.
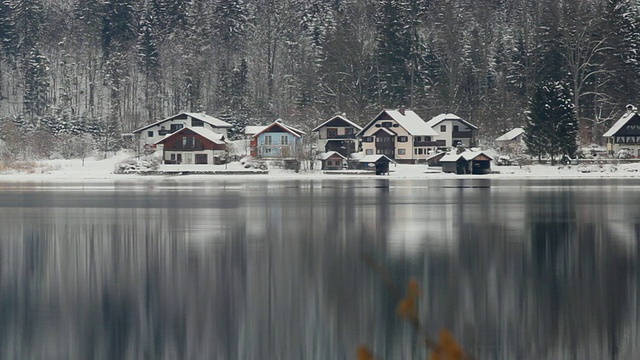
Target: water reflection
{"points": [[517, 270]]}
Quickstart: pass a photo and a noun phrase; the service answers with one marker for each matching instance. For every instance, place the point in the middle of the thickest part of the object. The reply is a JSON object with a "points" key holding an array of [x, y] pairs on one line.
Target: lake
{"points": [[250, 269]]}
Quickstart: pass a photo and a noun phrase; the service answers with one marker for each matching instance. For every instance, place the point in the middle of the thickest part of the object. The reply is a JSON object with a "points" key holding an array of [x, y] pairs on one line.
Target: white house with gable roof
{"points": [[453, 130], [152, 133]]}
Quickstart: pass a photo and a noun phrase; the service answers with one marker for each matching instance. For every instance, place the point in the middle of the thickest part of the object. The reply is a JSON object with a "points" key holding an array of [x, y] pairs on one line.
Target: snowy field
{"points": [[101, 170]]}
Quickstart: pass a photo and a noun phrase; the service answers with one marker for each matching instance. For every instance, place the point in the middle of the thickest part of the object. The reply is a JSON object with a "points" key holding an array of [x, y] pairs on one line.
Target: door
{"points": [[179, 159]]}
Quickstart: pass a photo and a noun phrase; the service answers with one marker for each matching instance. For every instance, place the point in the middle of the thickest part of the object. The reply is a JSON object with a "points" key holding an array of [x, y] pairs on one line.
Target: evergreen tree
{"points": [[36, 83], [552, 127]]}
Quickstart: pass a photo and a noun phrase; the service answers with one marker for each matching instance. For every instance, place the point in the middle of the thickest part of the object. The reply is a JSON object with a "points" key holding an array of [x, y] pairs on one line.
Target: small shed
{"points": [[468, 162], [434, 159], [332, 160], [378, 162]]}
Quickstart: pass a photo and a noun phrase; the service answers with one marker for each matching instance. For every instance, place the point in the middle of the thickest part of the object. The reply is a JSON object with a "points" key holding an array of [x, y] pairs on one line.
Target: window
{"points": [[173, 157], [267, 139], [150, 133], [348, 131], [418, 138], [267, 150], [369, 152], [332, 132], [329, 162], [443, 128], [176, 127], [402, 139], [402, 151], [427, 138], [197, 123], [387, 124], [420, 151], [378, 139], [378, 151], [284, 140], [368, 139], [456, 128], [415, 151]]}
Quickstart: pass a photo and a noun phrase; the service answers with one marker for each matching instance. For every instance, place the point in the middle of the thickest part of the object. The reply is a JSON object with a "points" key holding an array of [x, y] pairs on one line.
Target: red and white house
{"points": [[193, 146]]}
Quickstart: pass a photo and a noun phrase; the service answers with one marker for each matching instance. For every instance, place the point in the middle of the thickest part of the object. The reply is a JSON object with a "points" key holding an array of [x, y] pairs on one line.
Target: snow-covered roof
{"points": [[341, 118], [206, 133], [619, 124], [442, 117], [384, 129], [511, 134], [373, 158], [408, 119], [252, 130], [215, 122], [290, 129], [467, 155], [327, 155]]}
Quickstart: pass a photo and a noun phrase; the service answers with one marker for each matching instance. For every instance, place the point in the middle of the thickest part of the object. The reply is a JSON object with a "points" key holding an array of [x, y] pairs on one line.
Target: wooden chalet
{"points": [[467, 162], [333, 160], [338, 134], [625, 133], [193, 146], [378, 162]]}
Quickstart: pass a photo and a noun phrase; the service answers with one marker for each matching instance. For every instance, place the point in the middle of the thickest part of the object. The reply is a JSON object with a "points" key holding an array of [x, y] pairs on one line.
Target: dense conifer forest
{"points": [[104, 67]]}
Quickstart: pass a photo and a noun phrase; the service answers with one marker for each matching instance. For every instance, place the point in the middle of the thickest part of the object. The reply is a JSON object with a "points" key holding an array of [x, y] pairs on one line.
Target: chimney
{"points": [[401, 111], [631, 108]]}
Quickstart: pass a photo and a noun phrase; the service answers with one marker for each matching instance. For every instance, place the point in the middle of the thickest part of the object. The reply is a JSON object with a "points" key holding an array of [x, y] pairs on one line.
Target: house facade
{"points": [[152, 133], [453, 130], [276, 140], [400, 135], [511, 141], [193, 146], [338, 134], [625, 133]]}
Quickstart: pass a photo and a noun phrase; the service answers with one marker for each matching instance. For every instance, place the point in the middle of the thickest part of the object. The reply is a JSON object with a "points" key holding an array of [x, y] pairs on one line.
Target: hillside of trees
{"points": [[71, 67]]}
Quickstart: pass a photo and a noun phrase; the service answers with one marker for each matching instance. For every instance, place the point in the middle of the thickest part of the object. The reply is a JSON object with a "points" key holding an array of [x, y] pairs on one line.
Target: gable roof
{"points": [[341, 118], [374, 158], [252, 130], [215, 122], [290, 129], [329, 154], [511, 134], [620, 123], [205, 133], [466, 155], [442, 117], [410, 121]]}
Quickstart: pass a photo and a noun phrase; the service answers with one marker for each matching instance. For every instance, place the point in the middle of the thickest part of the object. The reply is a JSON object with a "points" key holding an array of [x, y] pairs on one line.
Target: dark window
{"points": [[402, 139], [456, 128], [368, 139], [150, 133], [387, 124], [173, 157], [396, 125], [328, 162], [402, 151], [348, 131], [332, 132], [198, 123], [175, 127], [443, 128], [427, 138]]}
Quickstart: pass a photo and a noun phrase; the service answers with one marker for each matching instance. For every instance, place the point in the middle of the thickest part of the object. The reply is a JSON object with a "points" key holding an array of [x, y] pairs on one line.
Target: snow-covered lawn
{"points": [[75, 170]]}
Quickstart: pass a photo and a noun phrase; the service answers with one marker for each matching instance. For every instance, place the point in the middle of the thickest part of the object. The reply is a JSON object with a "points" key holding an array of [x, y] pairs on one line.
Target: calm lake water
{"points": [[275, 270]]}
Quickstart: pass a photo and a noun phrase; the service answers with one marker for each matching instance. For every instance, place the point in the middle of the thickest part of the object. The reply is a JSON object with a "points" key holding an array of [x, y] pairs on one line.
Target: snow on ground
{"points": [[103, 170]]}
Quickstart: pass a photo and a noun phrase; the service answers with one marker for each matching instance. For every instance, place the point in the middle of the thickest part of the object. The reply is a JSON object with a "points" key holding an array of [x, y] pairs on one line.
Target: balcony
{"points": [[164, 132], [462, 134], [438, 143], [339, 137], [180, 147]]}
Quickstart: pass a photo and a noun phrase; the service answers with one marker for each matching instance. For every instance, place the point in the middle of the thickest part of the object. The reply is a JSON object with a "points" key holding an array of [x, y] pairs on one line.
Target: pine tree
{"points": [[36, 83], [552, 127]]}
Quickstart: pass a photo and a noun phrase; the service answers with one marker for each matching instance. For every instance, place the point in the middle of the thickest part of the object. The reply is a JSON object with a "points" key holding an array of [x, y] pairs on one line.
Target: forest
{"points": [[71, 68]]}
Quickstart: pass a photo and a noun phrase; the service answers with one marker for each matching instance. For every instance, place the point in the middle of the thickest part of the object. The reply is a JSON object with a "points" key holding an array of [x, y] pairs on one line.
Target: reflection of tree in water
{"points": [[141, 287]]}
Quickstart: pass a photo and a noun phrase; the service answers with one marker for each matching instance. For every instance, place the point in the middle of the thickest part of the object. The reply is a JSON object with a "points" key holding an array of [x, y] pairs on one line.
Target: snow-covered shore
{"points": [[102, 170]]}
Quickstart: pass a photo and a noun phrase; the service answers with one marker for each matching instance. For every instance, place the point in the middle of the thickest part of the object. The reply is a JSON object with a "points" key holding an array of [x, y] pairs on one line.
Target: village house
{"points": [[400, 134], [152, 133], [624, 135], [338, 134], [453, 131], [511, 141], [195, 145], [276, 140]]}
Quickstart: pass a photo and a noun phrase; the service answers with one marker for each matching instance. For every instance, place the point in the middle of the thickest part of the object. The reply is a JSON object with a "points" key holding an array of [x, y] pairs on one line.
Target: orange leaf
{"points": [[364, 353], [450, 347]]}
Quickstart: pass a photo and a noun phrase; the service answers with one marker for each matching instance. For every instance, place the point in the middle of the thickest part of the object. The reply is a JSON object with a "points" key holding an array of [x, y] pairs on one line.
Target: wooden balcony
{"points": [[439, 143], [180, 147], [462, 134], [339, 137]]}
